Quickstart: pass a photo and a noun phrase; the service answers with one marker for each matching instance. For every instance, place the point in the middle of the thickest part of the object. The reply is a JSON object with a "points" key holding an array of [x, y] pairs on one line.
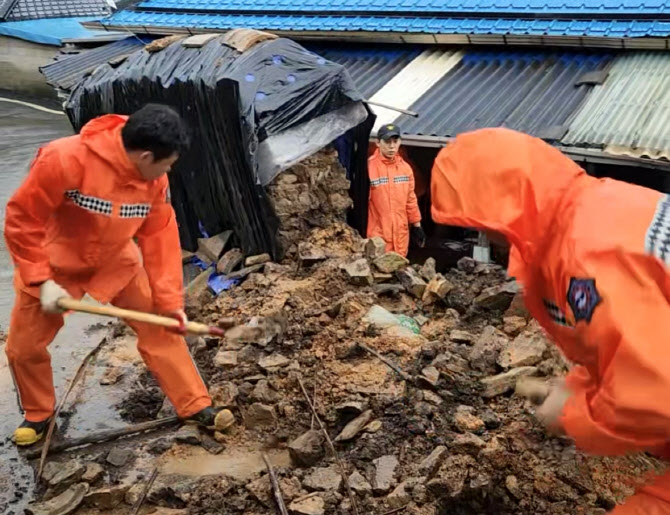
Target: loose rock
{"points": [[309, 254], [93, 473], [224, 395], [375, 248], [226, 359], [112, 375], [466, 421], [450, 478], [432, 462], [497, 298], [106, 498], [466, 264], [189, 434], [313, 505], [230, 261], [399, 497], [273, 361], [69, 473], [119, 457], [438, 289], [373, 426], [527, 349], [468, 443], [431, 397], [209, 249], [412, 282], [384, 474], [428, 271], [502, 383], [261, 489], [514, 324], [63, 504], [390, 262], [307, 449], [359, 484], [351, 407], [388, 289], [259, 415], [354, 427], [245, 272], [327, 478], [263, 392], [484, 353], [465, 337], [359, 273], [430, 375], [257, 260]]}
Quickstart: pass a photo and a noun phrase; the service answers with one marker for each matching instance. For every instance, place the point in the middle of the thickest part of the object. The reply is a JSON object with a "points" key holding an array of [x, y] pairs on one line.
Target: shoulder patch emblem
{"points": [[583, 298]]}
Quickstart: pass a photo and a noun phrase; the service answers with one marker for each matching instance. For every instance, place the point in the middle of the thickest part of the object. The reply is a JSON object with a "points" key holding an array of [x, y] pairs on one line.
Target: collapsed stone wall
{"points": [[311, 194]]}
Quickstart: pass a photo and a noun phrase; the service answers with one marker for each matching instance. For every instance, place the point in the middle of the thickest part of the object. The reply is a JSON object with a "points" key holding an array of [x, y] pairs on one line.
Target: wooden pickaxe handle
{"points": [[138, 316]]}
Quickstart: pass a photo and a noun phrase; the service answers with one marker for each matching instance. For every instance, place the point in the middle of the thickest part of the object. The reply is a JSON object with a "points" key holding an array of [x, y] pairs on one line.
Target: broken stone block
{"points": [[502, 383], [224, 395], [354, 427], [245, 272], [312, 505], [263, 392], [93, 473], [465, 420], [399, 497], [224, 419], [430, 375], [257, 260], [259, 415], [106, 498], [119, 457], [326, 478], [359, 273], [438, 289], [112, 375], [384, 474], [467, 443], [309, 254], [307, 449], [428, 271], [68, 473], [63, 504], [527, 349], [226, 359], [189, 435], [375, 248], [359, 484], [484, 353], [497, 298], [432, 462], [412, 282], [464, 337], [209, 249], [273, 361], [230, 261], [390, 263]]}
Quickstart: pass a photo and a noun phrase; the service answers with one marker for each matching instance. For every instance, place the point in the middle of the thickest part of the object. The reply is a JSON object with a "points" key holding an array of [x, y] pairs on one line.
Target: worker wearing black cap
{"points": [[393, 211]]}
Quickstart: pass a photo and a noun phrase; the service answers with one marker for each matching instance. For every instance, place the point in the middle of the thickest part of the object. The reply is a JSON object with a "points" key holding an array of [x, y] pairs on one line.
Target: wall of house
{"points": [[19, 66]]}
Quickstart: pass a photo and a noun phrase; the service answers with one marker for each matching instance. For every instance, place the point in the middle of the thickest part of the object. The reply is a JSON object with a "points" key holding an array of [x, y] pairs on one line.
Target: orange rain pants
{"points": [[73, 220], [592, 256], [392, 205]]}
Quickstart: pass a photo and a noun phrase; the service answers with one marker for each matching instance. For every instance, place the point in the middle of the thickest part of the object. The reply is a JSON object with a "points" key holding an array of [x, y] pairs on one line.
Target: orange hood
{"points": [[102, 136], [502, 180]]}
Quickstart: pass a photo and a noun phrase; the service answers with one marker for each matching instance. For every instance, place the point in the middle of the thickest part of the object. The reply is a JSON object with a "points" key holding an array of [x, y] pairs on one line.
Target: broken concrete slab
{"points": [[502, 383], [261, 259], [260, 415], [384, 477], [432, 462], [230, 261], [209, 249], [323, 478], [273, 361], [359, 273], [119, 457], [355, 426], [390, 263], [527, 349], [226, 359], [374, 248], [63, 504], [308, 448], [410, 279], [311, 505]]}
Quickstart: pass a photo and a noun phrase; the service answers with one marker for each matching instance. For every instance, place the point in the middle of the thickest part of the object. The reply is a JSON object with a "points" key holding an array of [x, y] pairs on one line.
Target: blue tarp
{"points": [[53, 31]]}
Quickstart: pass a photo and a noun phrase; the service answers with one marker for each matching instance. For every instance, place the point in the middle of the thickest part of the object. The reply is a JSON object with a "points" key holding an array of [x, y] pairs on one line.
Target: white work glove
{"points": [[50, 293]]}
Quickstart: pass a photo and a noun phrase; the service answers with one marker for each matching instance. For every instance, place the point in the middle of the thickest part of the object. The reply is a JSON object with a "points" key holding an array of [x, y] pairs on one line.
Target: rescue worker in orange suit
{"points": [[70, 228], [393, 211], [592, 256]]}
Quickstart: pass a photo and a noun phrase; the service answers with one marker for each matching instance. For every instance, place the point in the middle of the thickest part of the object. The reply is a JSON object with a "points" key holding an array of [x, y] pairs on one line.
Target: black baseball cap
{"points": [[388, 131]]}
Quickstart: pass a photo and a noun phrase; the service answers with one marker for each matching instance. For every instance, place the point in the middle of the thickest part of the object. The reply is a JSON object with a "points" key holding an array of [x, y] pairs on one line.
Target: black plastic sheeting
{"points": [[231, 101]]}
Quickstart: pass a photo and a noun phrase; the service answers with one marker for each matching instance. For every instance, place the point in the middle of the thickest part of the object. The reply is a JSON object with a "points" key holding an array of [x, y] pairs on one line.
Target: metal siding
{"points": [[370, 67], [527, 91], [67, 71], [301, 23], [629, 113], [40, 9], [5, 8]]}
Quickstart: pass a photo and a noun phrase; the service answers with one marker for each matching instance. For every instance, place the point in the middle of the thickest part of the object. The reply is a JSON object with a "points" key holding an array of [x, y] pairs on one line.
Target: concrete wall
{"points": [[19, 63]]}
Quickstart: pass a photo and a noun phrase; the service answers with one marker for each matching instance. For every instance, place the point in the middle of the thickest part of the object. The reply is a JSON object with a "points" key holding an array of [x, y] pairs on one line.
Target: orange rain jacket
{"points": [[592, 256], [75, 216], [393, 204]]}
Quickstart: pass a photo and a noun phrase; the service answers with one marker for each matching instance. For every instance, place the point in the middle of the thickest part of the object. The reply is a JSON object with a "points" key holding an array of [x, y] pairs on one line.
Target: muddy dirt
{"points": [[448, 437]]}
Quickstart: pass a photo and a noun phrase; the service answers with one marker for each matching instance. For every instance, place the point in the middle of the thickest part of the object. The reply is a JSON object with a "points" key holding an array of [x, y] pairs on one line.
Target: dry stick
{"points": [[103, 436], [343, 471], [275, 487], [396, 510], [314, 402], [52, 424], [387, 362], [145, 492]]}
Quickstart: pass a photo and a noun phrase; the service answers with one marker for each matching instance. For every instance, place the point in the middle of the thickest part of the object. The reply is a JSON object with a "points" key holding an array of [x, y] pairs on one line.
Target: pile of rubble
{"points": [[408, 375]]}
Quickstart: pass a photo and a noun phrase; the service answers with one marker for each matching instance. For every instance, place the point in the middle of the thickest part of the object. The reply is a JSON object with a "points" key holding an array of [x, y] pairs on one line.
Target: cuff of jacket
{"points": [[414, 220]]}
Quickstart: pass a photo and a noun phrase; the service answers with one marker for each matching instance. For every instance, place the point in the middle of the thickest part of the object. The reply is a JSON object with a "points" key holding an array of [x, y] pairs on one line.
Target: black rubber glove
{"points": [[417, 236]]}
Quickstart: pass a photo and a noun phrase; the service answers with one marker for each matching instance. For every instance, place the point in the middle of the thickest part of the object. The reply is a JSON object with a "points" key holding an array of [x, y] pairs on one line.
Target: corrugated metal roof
{"points": [[40, 9], [533, 92], [67, 71], [5, 7], [397, 24], [630, 112], [370, 66]]}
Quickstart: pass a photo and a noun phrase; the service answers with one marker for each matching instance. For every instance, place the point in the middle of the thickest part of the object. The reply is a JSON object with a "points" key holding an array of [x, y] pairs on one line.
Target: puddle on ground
{"points": [[236, 464]]}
